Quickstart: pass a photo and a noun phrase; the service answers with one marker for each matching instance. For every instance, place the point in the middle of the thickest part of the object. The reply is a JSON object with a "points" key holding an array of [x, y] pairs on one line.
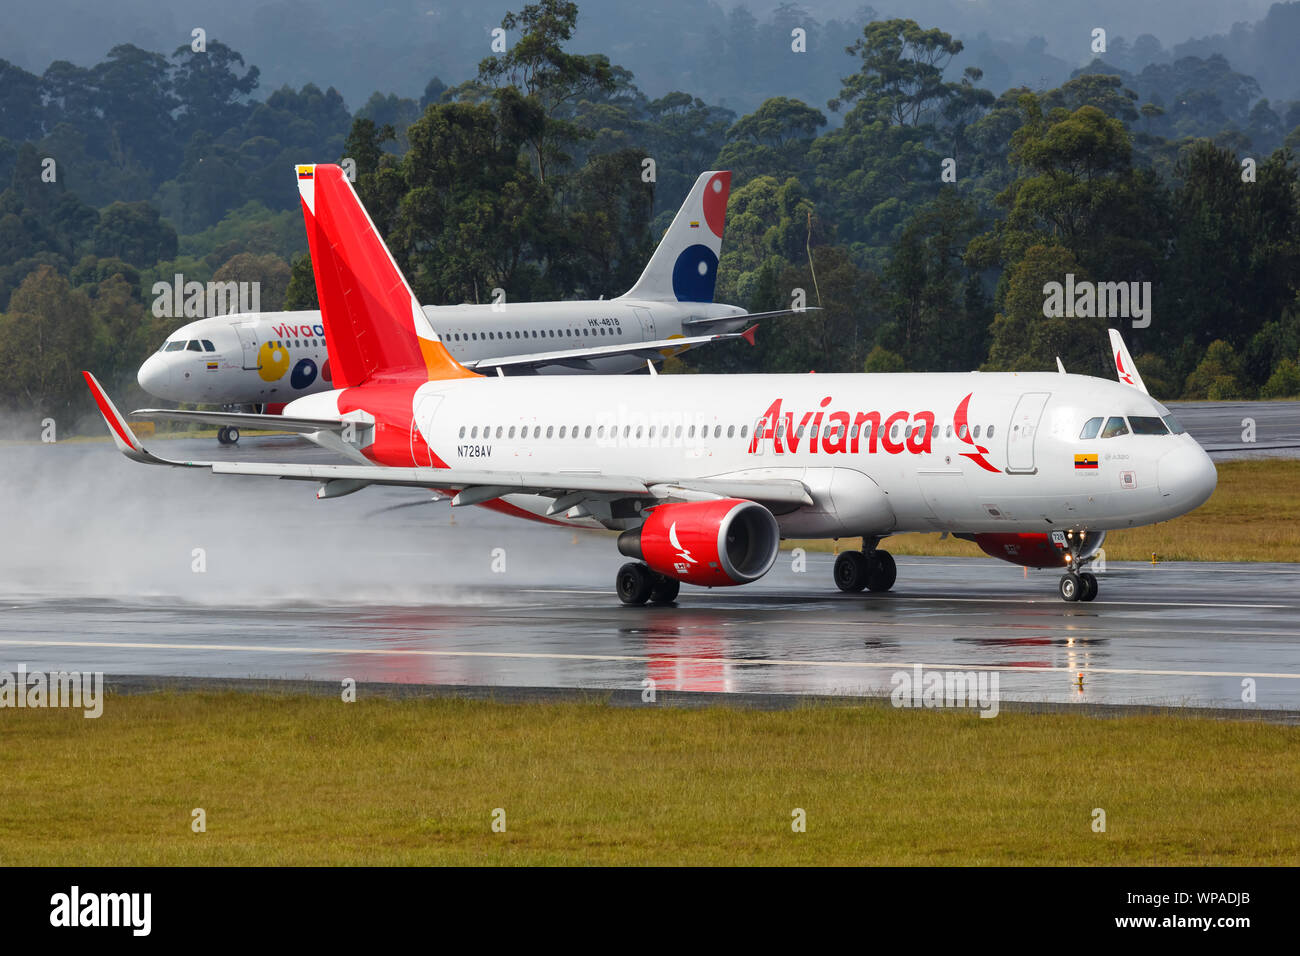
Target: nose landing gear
{"points": [[1081, 586]]}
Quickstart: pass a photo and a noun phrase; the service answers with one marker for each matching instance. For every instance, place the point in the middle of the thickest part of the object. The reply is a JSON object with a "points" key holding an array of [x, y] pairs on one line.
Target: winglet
{"points": [[120, 431], [1124, 367], [748, 334]]}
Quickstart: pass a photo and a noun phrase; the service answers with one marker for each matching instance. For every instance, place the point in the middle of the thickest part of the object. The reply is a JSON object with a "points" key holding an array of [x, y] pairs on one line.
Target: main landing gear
{"points": [[228, 435], [874, 570], [636, 584]]}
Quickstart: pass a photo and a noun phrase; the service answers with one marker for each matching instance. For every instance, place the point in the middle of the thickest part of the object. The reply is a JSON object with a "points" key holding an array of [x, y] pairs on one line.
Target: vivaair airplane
{"points": [[705, 474], [270, 358]]}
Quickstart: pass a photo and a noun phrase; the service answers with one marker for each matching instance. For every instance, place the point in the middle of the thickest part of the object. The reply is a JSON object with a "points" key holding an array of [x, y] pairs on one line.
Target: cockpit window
{"points": [[1090, 428], [1175, 426], [194, 346], [1114, 426], [208, 346], [1147, 425], [176, 346]]}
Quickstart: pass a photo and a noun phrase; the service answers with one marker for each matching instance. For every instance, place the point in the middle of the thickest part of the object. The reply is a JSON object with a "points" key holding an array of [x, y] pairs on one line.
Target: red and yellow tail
{"points": [[374, 327]]}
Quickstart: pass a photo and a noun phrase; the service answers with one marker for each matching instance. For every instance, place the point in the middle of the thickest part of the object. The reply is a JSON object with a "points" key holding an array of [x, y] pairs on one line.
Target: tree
{"points": [[135, 233], [1025, 340], [901, 77], [1218, 377], [537, 66], [46, 338]]}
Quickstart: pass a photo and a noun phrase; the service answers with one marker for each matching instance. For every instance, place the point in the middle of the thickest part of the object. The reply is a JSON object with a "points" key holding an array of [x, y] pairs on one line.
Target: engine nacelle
{"points": [[1036, 549], [709, 543]]}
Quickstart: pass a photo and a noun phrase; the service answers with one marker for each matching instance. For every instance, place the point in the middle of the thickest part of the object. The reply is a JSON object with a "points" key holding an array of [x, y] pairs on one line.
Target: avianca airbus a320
{"points": [[704, 474]]}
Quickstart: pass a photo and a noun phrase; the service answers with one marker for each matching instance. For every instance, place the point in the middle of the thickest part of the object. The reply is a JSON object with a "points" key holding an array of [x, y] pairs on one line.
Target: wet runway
{"points": [[1242, 429], [127, 569]]}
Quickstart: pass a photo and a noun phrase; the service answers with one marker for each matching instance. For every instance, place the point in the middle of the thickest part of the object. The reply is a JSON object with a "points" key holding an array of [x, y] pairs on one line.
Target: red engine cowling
{"points": [[1035, 549], [709, 543]]}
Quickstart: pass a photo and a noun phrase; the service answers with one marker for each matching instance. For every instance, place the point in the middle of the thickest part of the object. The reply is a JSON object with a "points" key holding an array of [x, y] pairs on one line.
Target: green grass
{"points": [[308, 780], [1251, 516]]}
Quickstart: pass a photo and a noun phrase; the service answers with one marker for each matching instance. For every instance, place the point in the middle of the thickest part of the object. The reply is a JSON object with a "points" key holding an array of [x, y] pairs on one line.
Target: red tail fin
{"points": [[373, 323]]}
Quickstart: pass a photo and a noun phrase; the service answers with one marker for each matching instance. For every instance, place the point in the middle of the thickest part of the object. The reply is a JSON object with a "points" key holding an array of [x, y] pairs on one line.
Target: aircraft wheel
{"points": [[851, 571], [221, 436], [1088, 586], [882, 572], [634, 583], [232, 435], [1071, 587], [665, 590]]}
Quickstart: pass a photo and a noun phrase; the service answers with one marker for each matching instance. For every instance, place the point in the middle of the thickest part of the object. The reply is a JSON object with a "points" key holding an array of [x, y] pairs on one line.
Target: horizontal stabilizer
{"points": [[583, 357]]}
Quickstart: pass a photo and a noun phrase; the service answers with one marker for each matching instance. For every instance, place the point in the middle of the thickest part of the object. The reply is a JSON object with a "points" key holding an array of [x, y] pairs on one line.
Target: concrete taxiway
{"points": [[127, 569]]}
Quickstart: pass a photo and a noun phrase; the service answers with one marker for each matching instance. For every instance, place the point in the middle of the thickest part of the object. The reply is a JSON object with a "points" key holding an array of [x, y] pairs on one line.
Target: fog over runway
{"points": [[128, 569]]}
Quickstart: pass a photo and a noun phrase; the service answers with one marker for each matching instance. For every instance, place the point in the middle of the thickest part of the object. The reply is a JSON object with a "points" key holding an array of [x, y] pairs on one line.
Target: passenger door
{"points": [[1023, 430]]}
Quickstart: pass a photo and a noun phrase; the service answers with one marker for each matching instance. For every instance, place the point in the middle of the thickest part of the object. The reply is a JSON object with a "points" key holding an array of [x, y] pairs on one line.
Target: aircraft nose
{"points": [[1188, 475], [154, 375]]}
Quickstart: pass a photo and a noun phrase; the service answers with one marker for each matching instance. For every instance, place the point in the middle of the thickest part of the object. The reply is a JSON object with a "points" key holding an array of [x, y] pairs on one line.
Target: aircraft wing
{"points": [[581, 358], [1124, 367], [472, 486], [280, 423]]}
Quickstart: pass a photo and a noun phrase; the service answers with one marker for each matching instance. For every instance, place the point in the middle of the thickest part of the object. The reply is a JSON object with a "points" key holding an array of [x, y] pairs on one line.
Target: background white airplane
{"points": [[704, 474], [270, 358]]}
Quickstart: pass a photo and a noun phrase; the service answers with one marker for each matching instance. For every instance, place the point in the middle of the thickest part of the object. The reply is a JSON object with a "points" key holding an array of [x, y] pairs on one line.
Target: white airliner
{"points": [[704, 474], [260, 359]]}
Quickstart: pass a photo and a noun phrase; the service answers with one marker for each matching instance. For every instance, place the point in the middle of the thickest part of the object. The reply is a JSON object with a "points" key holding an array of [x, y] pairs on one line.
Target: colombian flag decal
{"points": [[1085, 462], [305, 172]]}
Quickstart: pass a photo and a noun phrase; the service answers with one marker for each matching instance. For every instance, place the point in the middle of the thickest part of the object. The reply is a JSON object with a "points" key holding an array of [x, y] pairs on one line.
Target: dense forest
{"points": [[925, 210]]}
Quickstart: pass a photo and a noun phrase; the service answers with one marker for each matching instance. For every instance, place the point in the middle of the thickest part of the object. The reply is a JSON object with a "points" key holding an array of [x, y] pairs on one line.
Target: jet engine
{"points": [[709, 543], [1037, 549]]}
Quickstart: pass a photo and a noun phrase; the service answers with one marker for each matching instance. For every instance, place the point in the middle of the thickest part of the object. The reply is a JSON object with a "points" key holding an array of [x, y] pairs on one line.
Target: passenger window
{"points": [[947, 431], [977, 432], [550, 430], [1147, 425], [717, 431], [989, 432], [961, 432], [561, 431], [474, 433], [691, 433], [1114, 426], [744, 431], [731, 431], [462, 431], [537, 432], [498, 431], [511, 433], [587, 432], [1090, 428]]}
